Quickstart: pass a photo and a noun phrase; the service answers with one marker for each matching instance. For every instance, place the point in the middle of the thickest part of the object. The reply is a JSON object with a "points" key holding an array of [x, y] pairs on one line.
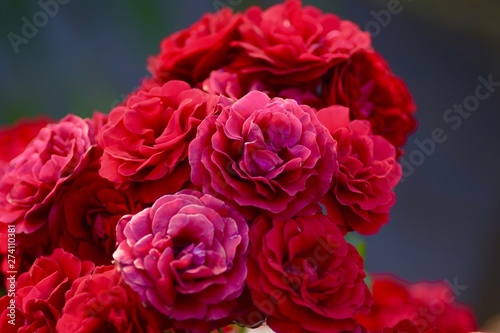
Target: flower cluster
{"points": [[219, 192]]}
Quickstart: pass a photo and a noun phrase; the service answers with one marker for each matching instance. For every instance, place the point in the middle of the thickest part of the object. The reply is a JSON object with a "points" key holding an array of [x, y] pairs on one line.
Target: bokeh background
{"points": [[446, 222]]}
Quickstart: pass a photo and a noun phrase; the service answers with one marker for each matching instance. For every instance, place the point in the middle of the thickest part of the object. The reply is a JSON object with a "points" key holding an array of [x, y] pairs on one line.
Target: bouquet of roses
{"points": [[219, 194]]}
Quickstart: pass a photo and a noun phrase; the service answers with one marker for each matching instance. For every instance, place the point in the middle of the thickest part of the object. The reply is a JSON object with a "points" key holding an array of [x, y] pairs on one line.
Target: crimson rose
{"points": [[40, 293], [290, 45], [262, 153], [186, 257], [368, 172], [101, 302], [191, 54], [305, 277], [366, 85], [146, 140]]}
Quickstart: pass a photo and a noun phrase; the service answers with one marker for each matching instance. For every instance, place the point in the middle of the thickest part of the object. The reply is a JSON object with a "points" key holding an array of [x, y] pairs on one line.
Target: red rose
{"points": [[289, 45], [146, 141], [191, 54], [40, 293], [101, 302], [186, 257], [16, 137], [305, 277], [428, 306], [85, 213], [368, 172], [29, 185], [268, 154], [367, 86]]}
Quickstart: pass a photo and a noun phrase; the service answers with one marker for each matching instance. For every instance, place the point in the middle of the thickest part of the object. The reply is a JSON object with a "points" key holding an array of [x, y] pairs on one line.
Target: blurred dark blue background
{"points": [[446, 223]]}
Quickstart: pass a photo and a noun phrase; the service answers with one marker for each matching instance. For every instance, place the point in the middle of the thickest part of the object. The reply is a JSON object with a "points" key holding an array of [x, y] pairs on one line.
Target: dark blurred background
{"points": [[446, 222]]}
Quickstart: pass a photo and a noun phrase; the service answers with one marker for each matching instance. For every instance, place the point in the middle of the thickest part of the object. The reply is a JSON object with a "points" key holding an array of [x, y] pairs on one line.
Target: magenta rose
{"points": [[290, 45], [191, 54], [304, 276], [368, 172], [186, 257], [40, 293], [85, 213], [146, 140], [273, 155], [102, 302], [367, 86], [58, 152]]}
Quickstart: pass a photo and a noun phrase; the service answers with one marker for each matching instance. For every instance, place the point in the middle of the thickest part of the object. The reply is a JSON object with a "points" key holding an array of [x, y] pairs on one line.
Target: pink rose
{"points": [[186, 257], [268, 154], [102, 302], [304, 276], [40, 293], [58, 152], [290, 45], [368, 172], [146, 140], [191, 54], [367, 86]]}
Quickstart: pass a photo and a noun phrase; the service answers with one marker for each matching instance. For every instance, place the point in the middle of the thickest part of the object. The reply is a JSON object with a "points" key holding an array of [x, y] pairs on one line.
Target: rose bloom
{"points": [[272, 155], [366, 85], [426, 305], [368, 172], [16, 137], [40, 293], [305, 277], [290, 45], [85, 213], [146, 140], [191, 54], [185, 256], [58, 152], [101, 302]]}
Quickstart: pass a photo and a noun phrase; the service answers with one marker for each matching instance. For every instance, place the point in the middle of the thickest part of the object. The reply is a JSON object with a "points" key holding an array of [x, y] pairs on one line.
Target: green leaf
{"points": [[358, 242], [369, 281]]}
